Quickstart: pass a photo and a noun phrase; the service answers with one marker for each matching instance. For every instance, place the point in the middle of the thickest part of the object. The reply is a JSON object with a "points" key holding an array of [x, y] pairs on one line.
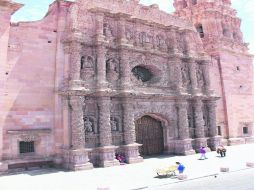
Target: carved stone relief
{"points": [[89, 124], [185, 75], [87, 67], [200, 77], [112, 69]]}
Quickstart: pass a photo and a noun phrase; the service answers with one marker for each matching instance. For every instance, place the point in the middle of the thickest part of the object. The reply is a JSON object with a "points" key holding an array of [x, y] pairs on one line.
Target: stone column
{"points": [[200, 140], [176, 74], [193, 76], [101, 66], [131, 148], [205, 68], [75, 63], [125, 70], [104, 104], [183, 145], [106, 150], [77, 157], [214, 140], [99, 27]]}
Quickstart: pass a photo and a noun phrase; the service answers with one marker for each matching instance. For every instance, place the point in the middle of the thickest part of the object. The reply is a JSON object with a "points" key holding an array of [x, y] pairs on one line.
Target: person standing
{"points": [[221, 150], [180, 167], [203, 153]]}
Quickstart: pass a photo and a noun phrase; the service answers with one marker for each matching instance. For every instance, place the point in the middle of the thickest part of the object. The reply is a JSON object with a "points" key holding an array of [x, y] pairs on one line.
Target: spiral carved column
{"points": [[183, 146], [106, 151], [214, 140], [77, 157], [200, 140], [131, 148], [193, 76]]}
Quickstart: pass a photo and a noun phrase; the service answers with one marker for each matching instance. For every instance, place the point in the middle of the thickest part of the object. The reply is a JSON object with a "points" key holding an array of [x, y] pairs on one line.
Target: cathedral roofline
{"points": [[11, 5]]}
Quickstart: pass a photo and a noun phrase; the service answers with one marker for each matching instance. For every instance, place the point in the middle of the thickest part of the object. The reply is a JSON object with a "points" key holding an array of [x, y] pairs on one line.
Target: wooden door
{"points": [[149, 133]]}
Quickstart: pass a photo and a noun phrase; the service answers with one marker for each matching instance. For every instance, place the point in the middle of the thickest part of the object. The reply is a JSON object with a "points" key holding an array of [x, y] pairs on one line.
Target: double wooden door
{"points": [[149, 133]]}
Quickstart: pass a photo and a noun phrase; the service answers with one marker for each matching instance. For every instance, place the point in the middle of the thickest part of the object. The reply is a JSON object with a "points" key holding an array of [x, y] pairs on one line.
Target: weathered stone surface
{"points": [[76, 82]]}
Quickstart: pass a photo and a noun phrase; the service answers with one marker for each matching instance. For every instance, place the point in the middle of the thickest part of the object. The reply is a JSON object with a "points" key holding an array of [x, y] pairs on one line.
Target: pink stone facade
{"points": [[76, 82]]}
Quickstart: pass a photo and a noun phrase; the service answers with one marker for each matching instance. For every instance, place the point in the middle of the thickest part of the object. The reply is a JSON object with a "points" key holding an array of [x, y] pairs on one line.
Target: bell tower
{"points": [[231, 65]]}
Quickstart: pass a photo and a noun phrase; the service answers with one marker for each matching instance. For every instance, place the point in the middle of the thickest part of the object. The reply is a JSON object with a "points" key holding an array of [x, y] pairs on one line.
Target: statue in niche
{"points": [[112, 68], [87, 67], [107, 32], [200, 77], [88, 125], [142, 38], [161, 43], [114, 124], [185, 78]]}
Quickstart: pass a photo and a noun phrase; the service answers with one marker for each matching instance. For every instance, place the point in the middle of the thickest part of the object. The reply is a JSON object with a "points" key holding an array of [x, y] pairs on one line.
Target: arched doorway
{"points": [[149, 133]]}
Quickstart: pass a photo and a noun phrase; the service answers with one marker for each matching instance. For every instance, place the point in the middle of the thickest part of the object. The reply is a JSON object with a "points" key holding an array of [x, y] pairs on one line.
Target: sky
{"points": [[35, 10]]}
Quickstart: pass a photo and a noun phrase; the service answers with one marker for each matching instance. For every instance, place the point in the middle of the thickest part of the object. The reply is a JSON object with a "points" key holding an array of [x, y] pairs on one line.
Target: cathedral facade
{"points": [[97, 78]]}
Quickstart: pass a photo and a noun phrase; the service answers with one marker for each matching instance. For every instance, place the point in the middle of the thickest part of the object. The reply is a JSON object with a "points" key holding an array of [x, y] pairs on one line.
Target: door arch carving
{"points": [[149, 133]]}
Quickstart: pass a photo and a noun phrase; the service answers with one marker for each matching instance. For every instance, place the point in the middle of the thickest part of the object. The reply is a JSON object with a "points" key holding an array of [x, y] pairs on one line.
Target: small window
{"points": [[245, 130], [238, 68], [219, 130], [200, 30], [26, 147]]}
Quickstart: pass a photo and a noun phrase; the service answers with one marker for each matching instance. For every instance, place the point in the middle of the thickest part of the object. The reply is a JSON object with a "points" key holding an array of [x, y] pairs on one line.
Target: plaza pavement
{"points": [[129, 177]]}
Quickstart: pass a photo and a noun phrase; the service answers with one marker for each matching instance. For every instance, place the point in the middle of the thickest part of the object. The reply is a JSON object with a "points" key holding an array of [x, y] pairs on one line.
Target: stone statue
{"points": [[185, 78], [113, 125], [107, 31], [112, 69], [88, 125], [87, 67], [200, 78]]}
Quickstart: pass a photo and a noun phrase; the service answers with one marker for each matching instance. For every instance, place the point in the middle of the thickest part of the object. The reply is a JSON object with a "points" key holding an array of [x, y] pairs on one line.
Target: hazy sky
{"points": [[34, 10]]}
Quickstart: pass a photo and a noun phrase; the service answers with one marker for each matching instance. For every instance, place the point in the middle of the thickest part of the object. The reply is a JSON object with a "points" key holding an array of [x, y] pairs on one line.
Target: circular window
{"points": [[142, 73]]}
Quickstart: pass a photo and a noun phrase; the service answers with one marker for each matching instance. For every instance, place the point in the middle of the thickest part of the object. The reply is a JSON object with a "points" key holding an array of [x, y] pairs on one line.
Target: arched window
{"points": [[200, 30]]}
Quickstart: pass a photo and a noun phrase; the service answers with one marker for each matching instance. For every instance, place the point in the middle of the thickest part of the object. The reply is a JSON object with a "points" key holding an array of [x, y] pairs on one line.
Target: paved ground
{"points": [[239, 180], [135, 176]]}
